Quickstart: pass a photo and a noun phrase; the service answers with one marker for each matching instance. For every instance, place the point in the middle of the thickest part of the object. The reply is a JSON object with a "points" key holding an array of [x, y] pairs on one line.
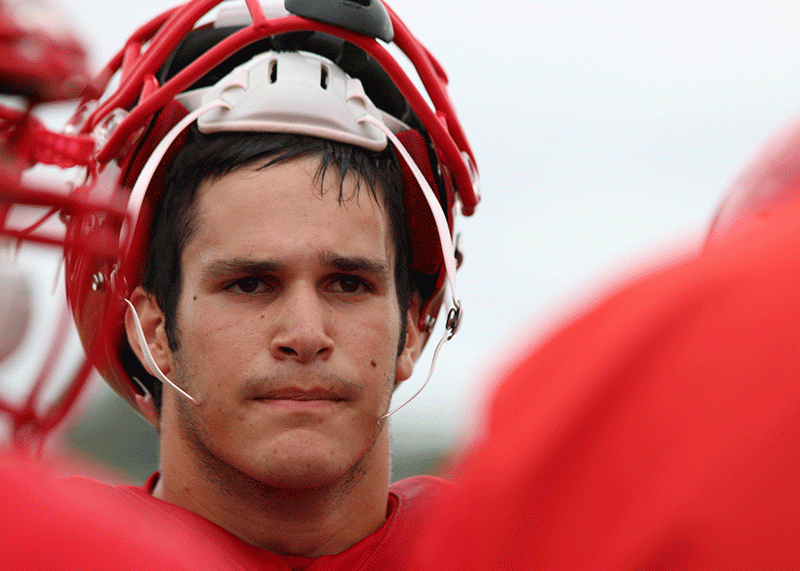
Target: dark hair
{"points": [[207, 157]]}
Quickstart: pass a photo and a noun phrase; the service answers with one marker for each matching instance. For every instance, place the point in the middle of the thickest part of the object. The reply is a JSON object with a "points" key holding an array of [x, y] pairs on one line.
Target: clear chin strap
{"points": [[448, 253], [152, 367], [134, 206]]}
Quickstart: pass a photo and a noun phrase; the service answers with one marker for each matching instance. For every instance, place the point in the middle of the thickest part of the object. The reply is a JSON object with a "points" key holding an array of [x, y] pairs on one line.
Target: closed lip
{"points": [[298, 394]]}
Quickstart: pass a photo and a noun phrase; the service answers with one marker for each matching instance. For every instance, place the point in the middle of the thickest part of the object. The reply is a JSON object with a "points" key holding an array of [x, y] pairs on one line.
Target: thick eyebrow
{"points": [[356, 264], [236, 266], [248, 266]]}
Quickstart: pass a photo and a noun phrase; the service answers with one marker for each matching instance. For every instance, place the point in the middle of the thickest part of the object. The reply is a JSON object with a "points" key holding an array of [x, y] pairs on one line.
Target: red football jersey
{"points": [[660, 429], [80, 523]]}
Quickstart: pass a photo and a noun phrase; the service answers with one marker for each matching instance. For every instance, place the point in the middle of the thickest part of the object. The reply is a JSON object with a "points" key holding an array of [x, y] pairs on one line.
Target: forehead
{"points": [[288, 204]]}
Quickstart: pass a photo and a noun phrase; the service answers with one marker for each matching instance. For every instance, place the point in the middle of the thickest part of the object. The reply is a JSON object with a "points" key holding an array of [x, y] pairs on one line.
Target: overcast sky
{"points": [[605, 133]]}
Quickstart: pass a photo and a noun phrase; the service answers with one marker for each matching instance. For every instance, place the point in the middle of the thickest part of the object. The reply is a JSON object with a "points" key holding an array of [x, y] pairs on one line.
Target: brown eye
{"points": [[350, 284], [246, 285]]}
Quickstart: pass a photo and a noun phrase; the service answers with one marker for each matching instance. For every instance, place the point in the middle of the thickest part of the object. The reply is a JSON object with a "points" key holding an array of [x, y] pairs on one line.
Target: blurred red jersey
{"points": [[658, 430], [51, 522], [47, 524]]}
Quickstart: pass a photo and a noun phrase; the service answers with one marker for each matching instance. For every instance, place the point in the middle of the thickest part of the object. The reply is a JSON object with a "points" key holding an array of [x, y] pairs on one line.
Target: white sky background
{"points": [[604, 132]]}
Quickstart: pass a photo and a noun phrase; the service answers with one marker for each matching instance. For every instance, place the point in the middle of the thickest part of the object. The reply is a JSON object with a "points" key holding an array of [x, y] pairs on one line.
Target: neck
{"points": [[308, 521]]}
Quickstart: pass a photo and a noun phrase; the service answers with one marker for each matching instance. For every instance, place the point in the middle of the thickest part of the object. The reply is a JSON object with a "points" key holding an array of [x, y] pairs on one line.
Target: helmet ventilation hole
{"points": [[273, 71], [323, 77]]}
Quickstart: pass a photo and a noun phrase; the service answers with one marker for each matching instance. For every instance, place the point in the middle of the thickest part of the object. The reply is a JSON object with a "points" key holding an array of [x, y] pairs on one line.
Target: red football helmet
{"points": [[221, 74], [40, 61], [771, 178]]}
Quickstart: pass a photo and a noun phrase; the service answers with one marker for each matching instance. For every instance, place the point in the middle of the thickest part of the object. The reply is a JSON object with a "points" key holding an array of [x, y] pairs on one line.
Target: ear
{"points": [[153, 325], [411, 350]]}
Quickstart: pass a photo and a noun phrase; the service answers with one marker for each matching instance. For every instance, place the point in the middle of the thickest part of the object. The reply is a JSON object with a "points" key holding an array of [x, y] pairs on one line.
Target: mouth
{"points": [[301, 400]]}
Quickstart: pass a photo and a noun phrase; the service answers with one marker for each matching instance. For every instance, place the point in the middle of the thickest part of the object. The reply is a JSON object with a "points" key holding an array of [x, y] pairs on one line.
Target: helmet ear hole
{"points": [[429, 310], [147, 408]]}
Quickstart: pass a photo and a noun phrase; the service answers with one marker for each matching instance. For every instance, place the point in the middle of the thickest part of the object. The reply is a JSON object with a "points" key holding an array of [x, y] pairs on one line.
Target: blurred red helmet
{"points": [[39, 56], [177, 70], [770, 180], [41, 61]]}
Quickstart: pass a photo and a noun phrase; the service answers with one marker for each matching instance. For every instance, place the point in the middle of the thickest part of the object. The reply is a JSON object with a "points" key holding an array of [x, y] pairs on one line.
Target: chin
{"points": [[305, 467], [299, 481], [305, 474]]}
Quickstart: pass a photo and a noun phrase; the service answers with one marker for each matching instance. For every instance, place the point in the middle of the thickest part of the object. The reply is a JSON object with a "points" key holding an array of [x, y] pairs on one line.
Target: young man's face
{"points": [[288, 326]]}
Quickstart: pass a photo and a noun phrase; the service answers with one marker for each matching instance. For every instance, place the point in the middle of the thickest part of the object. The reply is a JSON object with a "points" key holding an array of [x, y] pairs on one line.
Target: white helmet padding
{"points": [[289, 92]]}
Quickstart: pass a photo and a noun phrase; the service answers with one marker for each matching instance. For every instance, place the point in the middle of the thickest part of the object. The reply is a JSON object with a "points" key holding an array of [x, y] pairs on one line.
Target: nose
{"points": [[302, 328]]}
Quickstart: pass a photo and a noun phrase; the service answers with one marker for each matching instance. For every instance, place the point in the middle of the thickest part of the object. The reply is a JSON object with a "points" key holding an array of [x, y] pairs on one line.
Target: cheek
{"points": [[209, 334], [377, 341]]}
